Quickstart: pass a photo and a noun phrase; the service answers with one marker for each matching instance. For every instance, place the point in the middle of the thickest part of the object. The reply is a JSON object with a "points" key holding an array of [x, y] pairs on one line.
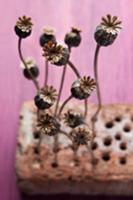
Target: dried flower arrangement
{"points": [[81, 88], [46, 97]]}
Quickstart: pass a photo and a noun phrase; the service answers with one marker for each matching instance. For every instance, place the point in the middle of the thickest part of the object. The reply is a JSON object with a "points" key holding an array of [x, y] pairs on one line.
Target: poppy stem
{"points": [[74, 69], [60, 89], [86, 108], [46, 73], [64, 104], [76, 159], [23, 61], [79, 76], [94, 117]]}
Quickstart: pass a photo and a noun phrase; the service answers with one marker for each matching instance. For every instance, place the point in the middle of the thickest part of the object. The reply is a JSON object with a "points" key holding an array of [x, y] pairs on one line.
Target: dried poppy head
{"points": [[81, 135], [107, 31], [32, 67], [83, 87], [73, 38], [73, 118], [48, 35], [45, 98], [55, 53], [23, 27], [48, 125]]}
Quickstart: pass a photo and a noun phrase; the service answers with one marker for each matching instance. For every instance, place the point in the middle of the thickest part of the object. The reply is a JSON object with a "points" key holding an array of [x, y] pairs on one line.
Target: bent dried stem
{"points": [[60, 89], [72, 66], [46, 73], [74, 69], [64, 104], [94, 117], [86, 108], [67, 135], [56, 109], [23, 61]]}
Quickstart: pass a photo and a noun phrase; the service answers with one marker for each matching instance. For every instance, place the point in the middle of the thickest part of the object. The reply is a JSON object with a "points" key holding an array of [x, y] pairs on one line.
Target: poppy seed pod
{"points": [[48, 125], [56, 54], [107, 31], [32, 67], [46, 98], [48, 35], [73, 119], [73, 38], [83, 87], [23, 27], [81, 135]]}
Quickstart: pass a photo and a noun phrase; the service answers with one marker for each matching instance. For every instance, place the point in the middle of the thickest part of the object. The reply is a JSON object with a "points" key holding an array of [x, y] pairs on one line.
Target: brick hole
{"points": [[118, 119], [36, 134], [94, 145], [107, 141], [118, 136], [70, 178], [109, 124], [36, 150], [123, 146], [127, 128], [123, 160], [106, 156], [54, 164]]}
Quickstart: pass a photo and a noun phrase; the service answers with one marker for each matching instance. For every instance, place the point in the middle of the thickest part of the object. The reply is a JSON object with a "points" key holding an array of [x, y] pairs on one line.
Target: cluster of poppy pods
{"points": [[59, 55]]}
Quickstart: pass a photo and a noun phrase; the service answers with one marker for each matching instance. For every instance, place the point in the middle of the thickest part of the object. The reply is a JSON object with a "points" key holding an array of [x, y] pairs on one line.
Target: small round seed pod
{"points": [[73, 118], [48, 125], [83, 87], [73, 38], [81, 135], [48, 35], [23, 27], [46, 98], [56, 54], [32, 67], [34, 70], [107, 31]]}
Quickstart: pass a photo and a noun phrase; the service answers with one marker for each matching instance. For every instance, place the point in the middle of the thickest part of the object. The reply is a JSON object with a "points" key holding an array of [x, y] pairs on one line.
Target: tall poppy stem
{"points": [[64, 104], [94, 117], [23, 61], [46, 73], [60, 89]]}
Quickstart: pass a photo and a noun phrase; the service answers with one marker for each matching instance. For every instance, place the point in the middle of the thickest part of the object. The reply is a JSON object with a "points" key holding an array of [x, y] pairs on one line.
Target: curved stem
{"points": [[97, 84], [56, 144], [94, 117], [74, 69], [79, 76], [38, 113], [67, 135], [75, 155], [60, 90], [46, 73], [62, 81], [63, 105], [75, 148], [55, 150], [93, 158], [86, 108], [23, 61]]}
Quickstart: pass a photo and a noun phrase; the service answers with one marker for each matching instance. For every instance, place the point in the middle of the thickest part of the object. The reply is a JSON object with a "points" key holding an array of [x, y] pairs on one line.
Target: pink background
{"points": [[115, 64]]}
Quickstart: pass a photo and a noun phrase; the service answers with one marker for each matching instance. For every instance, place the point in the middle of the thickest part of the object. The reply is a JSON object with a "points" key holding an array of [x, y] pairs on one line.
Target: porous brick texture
{"points": [[112, 147]]}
